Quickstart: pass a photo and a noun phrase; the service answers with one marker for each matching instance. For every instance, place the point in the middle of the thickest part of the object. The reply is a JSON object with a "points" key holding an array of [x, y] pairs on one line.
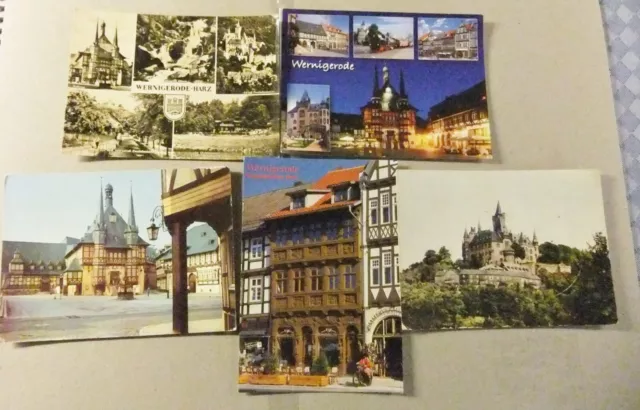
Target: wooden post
{"points": [[180, 291]]}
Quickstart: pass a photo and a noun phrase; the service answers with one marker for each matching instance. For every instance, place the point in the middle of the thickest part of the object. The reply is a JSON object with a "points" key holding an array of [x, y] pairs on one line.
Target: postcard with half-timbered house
{"points": [[378, 85], [138, 253], [319, 290]]}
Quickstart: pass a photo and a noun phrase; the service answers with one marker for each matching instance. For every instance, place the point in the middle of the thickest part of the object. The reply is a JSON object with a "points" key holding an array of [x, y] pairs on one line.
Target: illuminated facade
{"points": [[461, 122], [389, 120]]}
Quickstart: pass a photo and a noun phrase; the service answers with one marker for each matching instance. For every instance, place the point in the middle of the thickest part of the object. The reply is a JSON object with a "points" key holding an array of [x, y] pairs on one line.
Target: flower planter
{"points": [[311, 381], [268, 379], [244, 378]]}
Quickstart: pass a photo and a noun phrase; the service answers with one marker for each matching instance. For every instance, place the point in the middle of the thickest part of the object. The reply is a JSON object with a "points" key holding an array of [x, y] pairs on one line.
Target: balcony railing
{"points": [[309, 252], [322, 301], [382, 233]]}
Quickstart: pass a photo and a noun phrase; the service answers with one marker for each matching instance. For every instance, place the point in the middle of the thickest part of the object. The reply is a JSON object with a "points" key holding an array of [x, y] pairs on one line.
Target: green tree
{"points": [[373, 37], [320, 366], [150, 120], [293, 37], [83, 115], [593, 300], [549, 253], [518, 250]]}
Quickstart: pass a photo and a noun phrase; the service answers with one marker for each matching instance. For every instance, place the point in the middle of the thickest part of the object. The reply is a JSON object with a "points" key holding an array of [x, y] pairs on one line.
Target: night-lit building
{"points": [[388, 117], [461, 122]]}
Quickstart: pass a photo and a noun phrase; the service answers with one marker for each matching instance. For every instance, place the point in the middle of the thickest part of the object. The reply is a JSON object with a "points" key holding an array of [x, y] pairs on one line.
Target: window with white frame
{"points": [[387, 268], [373, 212], [255, 289], [256, 248], [397, 269], [375, 272], [386, 208]]}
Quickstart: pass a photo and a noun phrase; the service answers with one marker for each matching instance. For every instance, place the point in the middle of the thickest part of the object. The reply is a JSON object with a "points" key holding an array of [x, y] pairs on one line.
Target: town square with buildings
{"points": [[319, 275], [399, 101], [114, 278], [319, 35], [448, 39]]}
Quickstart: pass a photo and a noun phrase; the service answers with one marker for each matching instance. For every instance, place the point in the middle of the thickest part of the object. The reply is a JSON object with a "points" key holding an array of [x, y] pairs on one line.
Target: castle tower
{"points": [[305, 98], [403, 92], [500, 221], [104, 29], [385, 76], [131, 234], [95, 41], [509, 254]]}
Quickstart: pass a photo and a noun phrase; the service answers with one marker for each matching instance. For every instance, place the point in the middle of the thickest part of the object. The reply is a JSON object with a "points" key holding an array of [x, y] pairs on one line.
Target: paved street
{"points": [[396, 54], [307, 52], [343, 385], [39, 317]]}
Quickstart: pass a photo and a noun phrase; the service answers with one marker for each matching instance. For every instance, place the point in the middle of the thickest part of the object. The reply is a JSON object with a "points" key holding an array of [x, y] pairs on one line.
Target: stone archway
{"points": [[387, 342]]}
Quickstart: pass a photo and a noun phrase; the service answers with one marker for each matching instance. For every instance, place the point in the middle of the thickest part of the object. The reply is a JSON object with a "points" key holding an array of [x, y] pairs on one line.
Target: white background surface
{"points": [[551, 107]]}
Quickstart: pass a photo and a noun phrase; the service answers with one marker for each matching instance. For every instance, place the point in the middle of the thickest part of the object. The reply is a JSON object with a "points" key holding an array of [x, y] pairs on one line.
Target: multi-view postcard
{"points": [[384, 85], [319, 286], [138, 253], [171, 87], [503, 249]]}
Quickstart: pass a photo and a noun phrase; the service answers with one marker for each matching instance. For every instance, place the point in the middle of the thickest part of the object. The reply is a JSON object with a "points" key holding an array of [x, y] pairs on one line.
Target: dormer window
{"points": [[112, 217], [297, 202], [341, 195]]}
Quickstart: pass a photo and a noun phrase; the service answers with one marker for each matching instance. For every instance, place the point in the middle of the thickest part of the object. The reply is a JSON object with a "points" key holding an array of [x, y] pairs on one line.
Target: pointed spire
{"points": [[132, 215], [115, 38], [479, 227], [403, 93], [466, 233], [96, 39], [498, 209], [101, 209], [535, 238], [376, 86]]}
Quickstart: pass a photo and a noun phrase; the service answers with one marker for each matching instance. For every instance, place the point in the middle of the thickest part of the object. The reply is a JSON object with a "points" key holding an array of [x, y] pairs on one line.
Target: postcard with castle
{"points": [[503, 249], [319, 290], [171, 87], [138, 253], [373, 85]]}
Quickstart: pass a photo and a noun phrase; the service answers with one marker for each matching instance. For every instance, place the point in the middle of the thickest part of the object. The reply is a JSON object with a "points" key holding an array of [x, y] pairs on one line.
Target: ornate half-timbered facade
{"points": [[316, 296], [380, 269]]}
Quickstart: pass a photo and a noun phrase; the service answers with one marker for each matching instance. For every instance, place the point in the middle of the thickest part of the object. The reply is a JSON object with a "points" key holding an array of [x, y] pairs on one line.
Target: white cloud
{"points": [[440, 22]]}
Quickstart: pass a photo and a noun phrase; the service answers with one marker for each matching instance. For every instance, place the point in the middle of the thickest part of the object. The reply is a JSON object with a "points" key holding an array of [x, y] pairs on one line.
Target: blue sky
{"points": [[307, 170], [340, 21], [49, 207], [427, 24], [427, 82], [397, 26], [317, 93]]}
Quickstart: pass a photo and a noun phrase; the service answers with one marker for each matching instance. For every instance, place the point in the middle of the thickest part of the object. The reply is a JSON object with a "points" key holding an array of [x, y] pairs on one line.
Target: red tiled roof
{"points": [[332, 177], [336, 176], [424, 36], [317, 207]]}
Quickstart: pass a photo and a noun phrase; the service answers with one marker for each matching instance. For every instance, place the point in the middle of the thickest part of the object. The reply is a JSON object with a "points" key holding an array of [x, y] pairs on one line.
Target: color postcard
{"points": [[504, 249], [319, 290], [133, 255], [384, 85], [171, 87]]}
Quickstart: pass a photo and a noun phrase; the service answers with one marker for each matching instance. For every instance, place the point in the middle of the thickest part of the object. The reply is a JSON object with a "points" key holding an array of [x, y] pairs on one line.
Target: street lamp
{"points": [[153, 229]]}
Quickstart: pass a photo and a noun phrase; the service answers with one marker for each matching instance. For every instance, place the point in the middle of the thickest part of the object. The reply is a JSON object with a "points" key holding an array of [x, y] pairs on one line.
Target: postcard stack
{"points": [[328, 248]]}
